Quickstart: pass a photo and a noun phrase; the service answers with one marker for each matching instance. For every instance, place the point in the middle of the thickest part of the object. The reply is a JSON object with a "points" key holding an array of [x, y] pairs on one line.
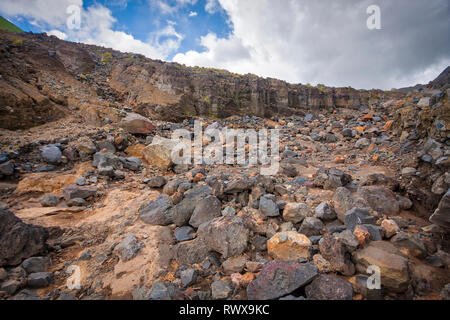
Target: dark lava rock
{"points": [[19, 240], [327, 287], [279, 278], [156, 212], [74, 191]]}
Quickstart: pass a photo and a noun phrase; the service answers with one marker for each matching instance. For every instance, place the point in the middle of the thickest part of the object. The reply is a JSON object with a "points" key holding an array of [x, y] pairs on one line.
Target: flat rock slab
{"points": [[279, 278]]}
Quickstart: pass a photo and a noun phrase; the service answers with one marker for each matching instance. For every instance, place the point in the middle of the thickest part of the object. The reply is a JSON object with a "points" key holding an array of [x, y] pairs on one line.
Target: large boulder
{"points": [[106, 163], [237, 186], [331, 179], [289, 246], [161, 152], [296, 212], [344, 200], [78, 192], [157, 212], [182, 212], [328, 287], [51, 154], [268, 207], [136, 124], [441, 216], [205, 210], [334, 250], [6, 169], [380, 199], [128, 248], [279, 278], [226, 235], [190, 252], [19, 240], [393, 265]]}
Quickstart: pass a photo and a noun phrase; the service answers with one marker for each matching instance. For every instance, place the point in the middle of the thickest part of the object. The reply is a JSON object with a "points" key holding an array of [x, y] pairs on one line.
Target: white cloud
{"points": [[51, 12], [97, 26], [117, 3], [328, 42], [166, 8], [61, 35], [212, 6], [193, 14]]}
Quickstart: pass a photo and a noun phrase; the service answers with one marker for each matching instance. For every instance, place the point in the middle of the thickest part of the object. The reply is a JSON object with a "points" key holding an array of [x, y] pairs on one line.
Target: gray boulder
{"points": [[128, 248], [157, 212], [226, 235], [51, 154], [279, 278], [18, 240], [328, 287]]}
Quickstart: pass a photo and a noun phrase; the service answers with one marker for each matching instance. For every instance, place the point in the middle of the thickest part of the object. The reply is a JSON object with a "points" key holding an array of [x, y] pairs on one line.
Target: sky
{"points": [[300, 41]]}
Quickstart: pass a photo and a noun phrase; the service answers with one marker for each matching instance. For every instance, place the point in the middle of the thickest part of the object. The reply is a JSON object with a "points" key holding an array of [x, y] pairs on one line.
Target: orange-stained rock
{"points": [[242, 281], [390, 227], [136, 150], [362, 234], [371, 147], [289, 246], [50, 182], [321, 263], [198, 177], [388, 125], [360, 129], [339, 159], [393, 265]]}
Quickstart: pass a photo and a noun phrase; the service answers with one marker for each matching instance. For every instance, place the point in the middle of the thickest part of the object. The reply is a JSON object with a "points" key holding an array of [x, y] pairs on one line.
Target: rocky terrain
{"points": [[89, 190]]}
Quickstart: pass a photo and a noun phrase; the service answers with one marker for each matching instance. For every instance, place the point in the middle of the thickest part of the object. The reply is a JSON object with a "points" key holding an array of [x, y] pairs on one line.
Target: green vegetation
{"points": [[6, 25], [17, 42], [106, 57], [206, 100]]}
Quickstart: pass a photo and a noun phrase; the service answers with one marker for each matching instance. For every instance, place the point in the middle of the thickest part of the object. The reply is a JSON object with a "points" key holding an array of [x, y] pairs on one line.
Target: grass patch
{"points": [[6, 25]]}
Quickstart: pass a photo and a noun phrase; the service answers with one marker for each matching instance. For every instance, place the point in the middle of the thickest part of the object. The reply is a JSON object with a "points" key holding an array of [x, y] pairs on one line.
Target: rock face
{"points": [[18, 240], [289, 246], [279, 278], [393, 265], [226, 235]]}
